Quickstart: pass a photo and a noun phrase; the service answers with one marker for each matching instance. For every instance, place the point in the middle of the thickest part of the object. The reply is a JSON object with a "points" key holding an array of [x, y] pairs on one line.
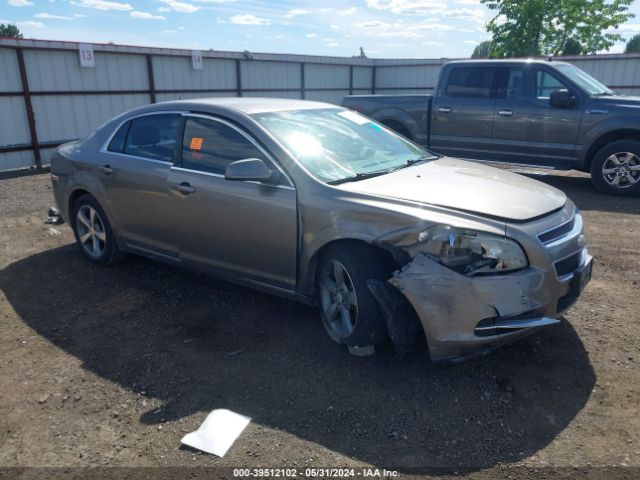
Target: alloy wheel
{"points": [[91, 232], [338, 299], [621, 170]]}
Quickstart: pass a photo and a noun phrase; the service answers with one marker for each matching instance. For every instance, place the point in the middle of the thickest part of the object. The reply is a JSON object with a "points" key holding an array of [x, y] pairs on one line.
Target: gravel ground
{"points": [[110, 367]]}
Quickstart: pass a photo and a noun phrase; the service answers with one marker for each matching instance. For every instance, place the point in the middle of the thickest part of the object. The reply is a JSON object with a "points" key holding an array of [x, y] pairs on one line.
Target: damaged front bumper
{"points": [[463, 315]]}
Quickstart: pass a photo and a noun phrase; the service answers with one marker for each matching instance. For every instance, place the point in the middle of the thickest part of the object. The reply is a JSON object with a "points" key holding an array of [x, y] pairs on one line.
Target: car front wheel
{"points": [[616, 168], [348, 309]]}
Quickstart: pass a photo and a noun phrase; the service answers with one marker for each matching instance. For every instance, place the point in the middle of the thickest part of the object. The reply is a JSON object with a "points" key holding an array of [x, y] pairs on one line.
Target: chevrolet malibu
{"points": [[322, 205]]}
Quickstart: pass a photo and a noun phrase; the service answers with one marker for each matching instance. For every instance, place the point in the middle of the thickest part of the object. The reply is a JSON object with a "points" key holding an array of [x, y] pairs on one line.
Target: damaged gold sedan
{"points": [[323, 205]]}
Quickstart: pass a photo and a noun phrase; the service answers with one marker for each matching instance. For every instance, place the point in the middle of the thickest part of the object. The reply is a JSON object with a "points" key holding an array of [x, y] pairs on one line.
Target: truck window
{"points": [[470, 82], [531, 84], [545, 84]]}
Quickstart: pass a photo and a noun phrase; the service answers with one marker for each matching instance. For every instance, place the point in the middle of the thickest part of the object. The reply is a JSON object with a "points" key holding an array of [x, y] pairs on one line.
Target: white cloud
{"points": [[434, 27], [146, 16], [630, 27], [31, 24], [431, 42], [347, 11], [431, 8], [19, 3], [103, 5], [400, 34], [169, 31], [79, 15], [181, 7], [332, 44], [297, 11], [311, 35], [471, 42], [249, 19], [371, 24], [52, 17], [334, 26]]}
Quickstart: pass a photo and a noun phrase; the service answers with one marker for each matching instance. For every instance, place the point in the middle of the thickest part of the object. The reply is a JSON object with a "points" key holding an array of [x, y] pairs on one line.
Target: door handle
{"points": [[505, 113], [183, 187], [106, 169], [444, 109]]}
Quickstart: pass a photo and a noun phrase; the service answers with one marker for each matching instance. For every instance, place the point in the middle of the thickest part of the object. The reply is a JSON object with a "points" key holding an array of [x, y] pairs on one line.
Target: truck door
{"points": [[527, 128], [463, 112]]}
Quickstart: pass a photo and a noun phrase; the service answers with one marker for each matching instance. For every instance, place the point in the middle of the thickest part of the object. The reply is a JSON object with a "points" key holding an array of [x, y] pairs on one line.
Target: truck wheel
{"points": [[348, 310], [615, 169], [93, 232]]}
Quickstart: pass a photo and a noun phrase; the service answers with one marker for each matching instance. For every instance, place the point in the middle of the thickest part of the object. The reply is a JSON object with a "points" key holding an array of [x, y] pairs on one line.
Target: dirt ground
{"points": [[110, 367]]}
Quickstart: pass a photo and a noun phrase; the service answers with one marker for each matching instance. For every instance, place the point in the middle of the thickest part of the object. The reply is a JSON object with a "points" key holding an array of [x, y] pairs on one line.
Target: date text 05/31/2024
{"points": [[314, 473]]}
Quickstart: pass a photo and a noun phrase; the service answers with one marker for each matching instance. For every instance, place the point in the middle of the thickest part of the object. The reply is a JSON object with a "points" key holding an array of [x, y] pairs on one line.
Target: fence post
{"points": [[373, 80], [151, 79], [238, 78], [350, 79], [26, 93]]}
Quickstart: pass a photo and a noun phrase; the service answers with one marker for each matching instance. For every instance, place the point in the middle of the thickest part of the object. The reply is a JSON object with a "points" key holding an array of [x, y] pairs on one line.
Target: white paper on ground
{"points": [[218, 432]]}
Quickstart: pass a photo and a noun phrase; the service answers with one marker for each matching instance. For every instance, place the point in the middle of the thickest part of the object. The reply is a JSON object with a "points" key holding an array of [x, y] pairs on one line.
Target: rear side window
{"points": [[153, 136], [470, 82], [117, 142], [209, 146]]}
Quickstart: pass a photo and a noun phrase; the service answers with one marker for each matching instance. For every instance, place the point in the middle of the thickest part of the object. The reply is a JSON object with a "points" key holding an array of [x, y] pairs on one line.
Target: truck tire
{"points": [[615, 169], [349, 311]]}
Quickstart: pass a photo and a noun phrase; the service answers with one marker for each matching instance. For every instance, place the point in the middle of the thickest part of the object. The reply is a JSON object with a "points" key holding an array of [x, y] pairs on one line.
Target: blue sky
{"points": [[384, 28]]}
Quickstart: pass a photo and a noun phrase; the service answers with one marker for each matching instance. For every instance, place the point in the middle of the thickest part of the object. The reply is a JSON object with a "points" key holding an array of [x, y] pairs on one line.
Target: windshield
{"points": [[337, 145], [584, 80]]}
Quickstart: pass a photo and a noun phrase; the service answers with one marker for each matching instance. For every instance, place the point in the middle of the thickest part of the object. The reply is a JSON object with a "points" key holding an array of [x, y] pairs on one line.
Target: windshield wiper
{"points": [[359, 176], [413, 161]]}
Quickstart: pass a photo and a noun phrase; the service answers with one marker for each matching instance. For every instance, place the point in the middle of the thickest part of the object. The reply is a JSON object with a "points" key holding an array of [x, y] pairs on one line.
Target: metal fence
{"points": [[47, 98]]}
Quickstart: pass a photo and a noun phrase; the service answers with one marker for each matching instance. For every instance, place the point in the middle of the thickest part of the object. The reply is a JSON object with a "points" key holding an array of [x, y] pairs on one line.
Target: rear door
{"points": [[463, 112], [134, 172], [527, 128], [245, 229]]}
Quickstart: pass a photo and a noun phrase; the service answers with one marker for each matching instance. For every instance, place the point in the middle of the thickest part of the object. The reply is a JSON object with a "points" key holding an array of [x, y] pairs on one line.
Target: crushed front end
{"points": [[473, 291]]}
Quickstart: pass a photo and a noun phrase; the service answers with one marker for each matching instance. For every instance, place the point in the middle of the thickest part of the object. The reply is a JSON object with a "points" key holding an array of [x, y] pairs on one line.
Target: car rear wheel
{"points": [[349, 311], [93, 232], [616, 168]]}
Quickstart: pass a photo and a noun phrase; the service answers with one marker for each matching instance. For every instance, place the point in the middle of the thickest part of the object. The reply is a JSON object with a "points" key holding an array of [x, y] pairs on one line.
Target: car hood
{"points": [[618, 101], [468, 186]]}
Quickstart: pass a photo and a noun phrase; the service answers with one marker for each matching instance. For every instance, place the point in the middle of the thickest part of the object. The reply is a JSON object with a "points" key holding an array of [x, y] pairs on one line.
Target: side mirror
{"points": [[248, 169], [561, 98]]}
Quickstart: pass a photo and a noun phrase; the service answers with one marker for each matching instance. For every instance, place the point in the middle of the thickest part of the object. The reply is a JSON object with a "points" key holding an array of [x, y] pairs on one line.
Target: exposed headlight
{"points": [[471, 252]]}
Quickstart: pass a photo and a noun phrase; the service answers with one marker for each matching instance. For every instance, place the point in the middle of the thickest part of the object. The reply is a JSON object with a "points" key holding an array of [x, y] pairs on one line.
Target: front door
{"points": [[463, 111], [245, 229], [527, 128]]}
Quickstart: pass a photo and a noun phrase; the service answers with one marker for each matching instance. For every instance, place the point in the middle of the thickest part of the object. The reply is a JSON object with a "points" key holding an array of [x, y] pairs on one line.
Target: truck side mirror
{"points": [[561, 98]]}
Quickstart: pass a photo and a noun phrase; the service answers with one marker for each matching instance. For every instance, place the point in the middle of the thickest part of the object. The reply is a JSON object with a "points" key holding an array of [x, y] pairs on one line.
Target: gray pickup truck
{"points": [[533, 112]]}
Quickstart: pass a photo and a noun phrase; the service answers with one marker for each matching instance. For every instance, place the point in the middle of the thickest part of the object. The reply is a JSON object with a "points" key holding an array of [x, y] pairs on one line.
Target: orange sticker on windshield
{"points": [[196, 143]]}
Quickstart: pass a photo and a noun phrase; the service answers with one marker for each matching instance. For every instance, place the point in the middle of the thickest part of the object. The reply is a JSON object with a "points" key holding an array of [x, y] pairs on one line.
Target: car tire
{"points": [[615, 169], [348, 309], [93, 232]]}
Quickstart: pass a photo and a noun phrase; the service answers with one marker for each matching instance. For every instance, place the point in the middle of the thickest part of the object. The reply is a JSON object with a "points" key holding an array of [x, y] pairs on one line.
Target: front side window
{"points": [[547, 83], [153, 136], [470, 82], [337, 145], [209, 146], [532, 84]]}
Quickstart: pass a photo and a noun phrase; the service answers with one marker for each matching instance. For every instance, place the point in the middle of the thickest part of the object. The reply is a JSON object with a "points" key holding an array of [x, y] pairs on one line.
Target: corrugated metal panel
{"points": [[274, 94], [612, 72], [362, 77], [256, 74], [334, 97], [9, 74], [326, 76], [53, 70], [165, 97], [14, 128], [67, 117], [176, 73], [15, 160], [399, 77]]}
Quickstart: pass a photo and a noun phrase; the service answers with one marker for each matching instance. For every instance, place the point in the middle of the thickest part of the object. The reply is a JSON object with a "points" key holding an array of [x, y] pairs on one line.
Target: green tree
{"points": [[571, 47], [633, 45], [9, 31], [482, 50], [542, 27]]}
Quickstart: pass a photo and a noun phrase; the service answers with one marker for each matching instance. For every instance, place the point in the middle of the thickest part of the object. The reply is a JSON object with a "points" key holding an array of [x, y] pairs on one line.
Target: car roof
{"points": [[246, 105], [538, 61]]}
